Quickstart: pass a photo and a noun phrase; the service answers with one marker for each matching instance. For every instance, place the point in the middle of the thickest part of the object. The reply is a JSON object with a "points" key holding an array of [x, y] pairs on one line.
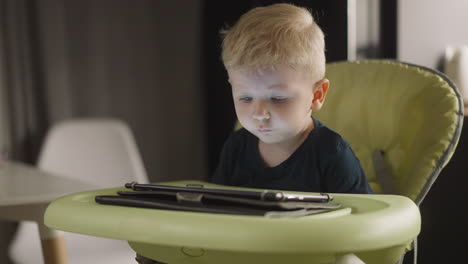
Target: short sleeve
{"points": [[345, 175]]}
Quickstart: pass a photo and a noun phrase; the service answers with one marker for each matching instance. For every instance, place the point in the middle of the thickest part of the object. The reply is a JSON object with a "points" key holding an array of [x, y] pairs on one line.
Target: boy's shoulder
{"points": [[327, 140]]}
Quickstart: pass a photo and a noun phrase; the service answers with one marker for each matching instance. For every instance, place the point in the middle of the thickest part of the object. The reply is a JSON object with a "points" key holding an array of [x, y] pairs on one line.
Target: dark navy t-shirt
{"points": [[323, 163]]}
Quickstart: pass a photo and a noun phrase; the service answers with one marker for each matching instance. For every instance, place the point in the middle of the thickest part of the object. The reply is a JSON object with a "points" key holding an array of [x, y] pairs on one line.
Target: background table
{"points": [[377, 228], [25, 192]]}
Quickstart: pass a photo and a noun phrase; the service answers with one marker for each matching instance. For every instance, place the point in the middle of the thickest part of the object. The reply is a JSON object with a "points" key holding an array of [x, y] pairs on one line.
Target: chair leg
{"points": [[54, 250], [53, 245]]}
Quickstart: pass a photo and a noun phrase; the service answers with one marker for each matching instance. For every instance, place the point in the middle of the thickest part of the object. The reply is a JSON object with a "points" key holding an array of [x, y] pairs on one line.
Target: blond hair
{"points": [[279, 34]]}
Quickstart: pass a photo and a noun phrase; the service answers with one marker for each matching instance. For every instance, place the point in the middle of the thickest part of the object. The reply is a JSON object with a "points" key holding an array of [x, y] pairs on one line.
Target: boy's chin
{"points": [[268, 139]]}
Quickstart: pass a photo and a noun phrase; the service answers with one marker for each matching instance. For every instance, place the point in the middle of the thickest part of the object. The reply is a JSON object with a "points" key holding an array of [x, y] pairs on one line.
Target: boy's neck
{"points": [[274, 154]]}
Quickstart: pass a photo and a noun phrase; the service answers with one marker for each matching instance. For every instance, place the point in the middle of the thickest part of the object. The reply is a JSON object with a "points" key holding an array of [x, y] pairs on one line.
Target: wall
{"points": [[426, 27], [133, 60], [367, 28], [4, 132]]}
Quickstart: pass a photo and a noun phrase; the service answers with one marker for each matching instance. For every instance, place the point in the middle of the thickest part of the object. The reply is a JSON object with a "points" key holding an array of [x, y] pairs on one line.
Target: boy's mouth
{"points": [[264, 130]]}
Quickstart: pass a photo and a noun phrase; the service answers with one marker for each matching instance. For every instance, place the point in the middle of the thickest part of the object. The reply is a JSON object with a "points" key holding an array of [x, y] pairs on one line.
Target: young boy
{"points": [[275, 60]]}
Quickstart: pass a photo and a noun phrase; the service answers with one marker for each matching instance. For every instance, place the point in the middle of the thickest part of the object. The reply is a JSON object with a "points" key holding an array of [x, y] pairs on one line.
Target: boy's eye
{"points": [[279, 99], [245, 99]]}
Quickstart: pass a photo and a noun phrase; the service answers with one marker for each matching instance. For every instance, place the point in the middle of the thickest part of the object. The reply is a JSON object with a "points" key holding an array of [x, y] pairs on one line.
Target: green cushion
{"points": [[410, 113]]}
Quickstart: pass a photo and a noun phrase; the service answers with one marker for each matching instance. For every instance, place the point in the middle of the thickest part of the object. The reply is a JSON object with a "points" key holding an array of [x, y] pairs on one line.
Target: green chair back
{"points": [[411, 114]]}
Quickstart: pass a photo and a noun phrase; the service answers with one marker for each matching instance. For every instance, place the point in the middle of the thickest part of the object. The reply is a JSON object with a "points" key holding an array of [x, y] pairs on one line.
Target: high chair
{"points": [[403, 121]]}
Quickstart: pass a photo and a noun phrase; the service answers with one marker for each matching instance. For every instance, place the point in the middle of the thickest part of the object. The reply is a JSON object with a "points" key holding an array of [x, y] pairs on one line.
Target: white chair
{"points": [[101, 152]]}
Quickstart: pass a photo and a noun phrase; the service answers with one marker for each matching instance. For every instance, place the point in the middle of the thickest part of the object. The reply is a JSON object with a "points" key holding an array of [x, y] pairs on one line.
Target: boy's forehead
{"points": [[274, 76]]}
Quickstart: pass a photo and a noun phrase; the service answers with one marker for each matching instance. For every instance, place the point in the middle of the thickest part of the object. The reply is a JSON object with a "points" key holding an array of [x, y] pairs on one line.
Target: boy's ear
{"points": [[320, 92]]}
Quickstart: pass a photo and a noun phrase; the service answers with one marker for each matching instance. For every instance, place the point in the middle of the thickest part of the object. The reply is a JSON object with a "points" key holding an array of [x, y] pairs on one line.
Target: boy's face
{"points": [[276, 105]]}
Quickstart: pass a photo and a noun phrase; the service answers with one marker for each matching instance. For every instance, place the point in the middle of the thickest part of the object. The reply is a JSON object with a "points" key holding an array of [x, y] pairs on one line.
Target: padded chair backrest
{"points": [[102, 152], [411, 114]]}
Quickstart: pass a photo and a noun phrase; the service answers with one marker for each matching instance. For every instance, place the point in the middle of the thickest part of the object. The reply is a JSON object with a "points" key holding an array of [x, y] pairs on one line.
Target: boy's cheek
{"points": [[241, 116], [241, 110]]}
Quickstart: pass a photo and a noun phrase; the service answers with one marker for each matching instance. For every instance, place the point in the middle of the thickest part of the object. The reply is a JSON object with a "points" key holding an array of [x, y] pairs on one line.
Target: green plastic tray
{"points": [[377, 228]]}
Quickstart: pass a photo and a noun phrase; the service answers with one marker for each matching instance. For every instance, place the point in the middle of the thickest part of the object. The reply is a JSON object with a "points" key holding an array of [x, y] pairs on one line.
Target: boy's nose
{"points": [[260, 112]]}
